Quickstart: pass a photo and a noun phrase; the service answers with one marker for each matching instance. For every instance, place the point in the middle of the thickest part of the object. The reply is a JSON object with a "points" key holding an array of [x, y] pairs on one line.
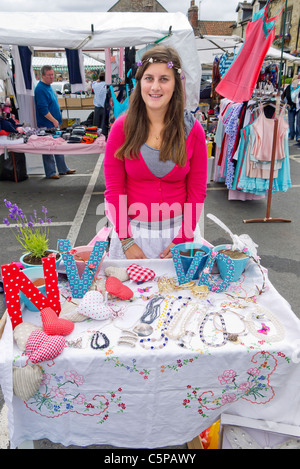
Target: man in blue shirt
{"points": [[48, 115]]}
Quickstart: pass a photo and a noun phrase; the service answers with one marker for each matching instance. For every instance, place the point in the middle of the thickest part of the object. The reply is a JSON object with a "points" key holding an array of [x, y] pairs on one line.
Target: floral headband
{"points": [[169, 64]]}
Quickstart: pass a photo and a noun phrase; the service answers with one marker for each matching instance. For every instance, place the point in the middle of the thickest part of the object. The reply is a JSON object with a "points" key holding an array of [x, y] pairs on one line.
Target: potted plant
{"points": [[32, 233], [238, 257]]}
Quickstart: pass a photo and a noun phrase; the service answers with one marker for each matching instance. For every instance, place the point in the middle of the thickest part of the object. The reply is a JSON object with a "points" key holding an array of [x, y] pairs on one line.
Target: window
{"points": [[288, 21]]}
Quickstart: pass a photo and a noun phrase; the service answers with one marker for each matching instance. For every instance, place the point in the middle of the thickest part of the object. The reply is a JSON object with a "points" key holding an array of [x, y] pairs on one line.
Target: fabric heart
{"points": [[118, 272], [27, 381], [115, 287], [53, 325], [22, 332], [69, 310], [41, 347], [93, 307], [140, 274]]}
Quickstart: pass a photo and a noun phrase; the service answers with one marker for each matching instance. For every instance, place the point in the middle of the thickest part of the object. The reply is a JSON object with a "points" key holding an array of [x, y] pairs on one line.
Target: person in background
{"points": [[291, 96], [155, 164], [100, 91], [48, 115]]}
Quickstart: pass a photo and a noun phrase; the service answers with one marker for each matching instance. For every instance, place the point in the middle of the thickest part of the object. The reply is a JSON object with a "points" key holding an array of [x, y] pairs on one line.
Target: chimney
{"points": [[193, 15]]}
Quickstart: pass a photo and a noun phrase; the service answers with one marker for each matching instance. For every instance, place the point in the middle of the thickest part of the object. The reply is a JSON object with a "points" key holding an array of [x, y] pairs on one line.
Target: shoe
{"points": [[70, 171], [55, 176]]}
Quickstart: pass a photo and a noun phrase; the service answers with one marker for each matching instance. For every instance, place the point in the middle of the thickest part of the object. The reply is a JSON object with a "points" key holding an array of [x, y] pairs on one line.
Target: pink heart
{"points": [[115, 287], [34, 341], [41, 347], [53, 325]]}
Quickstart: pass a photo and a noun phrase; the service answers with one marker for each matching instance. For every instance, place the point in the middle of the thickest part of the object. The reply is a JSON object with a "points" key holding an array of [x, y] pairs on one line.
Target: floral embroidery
{"points": [[60, 394], [131, 368], [254, 386]]}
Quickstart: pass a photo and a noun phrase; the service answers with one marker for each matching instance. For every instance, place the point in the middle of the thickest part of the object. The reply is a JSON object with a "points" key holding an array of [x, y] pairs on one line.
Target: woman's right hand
{"points": [[135, 252]]}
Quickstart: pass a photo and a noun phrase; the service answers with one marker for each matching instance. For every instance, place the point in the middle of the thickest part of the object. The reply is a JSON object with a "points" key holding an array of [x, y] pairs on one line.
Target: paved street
{"points": [[75, 205]]}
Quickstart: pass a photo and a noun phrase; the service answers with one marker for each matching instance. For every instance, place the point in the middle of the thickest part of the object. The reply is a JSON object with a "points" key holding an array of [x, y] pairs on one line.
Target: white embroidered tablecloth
{"points": [[140, 398]]}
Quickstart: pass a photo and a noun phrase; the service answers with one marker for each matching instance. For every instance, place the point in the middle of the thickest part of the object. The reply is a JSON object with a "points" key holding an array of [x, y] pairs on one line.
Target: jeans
{"points": [[50, 167], [294, 124], [99, 117]]}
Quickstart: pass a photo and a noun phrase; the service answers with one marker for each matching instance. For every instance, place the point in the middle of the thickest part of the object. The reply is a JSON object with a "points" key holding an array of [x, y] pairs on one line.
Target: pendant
{"points": [[143, 330], [232, 337]]}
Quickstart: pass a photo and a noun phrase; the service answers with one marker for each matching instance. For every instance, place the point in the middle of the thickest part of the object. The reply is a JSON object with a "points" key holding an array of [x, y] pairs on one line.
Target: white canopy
{"points": [[74, 30]]}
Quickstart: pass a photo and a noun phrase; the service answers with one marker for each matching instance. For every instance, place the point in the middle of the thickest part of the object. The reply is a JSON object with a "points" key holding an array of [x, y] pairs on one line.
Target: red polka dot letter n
{"points": [[15, 280]]}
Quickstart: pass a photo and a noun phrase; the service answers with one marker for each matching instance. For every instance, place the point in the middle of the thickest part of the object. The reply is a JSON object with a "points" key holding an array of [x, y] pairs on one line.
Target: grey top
{"points": [[151, 155]]}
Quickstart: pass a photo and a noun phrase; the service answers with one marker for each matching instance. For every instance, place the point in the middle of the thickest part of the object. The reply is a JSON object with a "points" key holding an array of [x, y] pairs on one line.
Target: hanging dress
{"points": [[240, 80], [258, 184]]}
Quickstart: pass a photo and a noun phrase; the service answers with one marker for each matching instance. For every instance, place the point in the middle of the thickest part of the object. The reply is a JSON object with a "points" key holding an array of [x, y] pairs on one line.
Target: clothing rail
{"points": [[268, 218]]}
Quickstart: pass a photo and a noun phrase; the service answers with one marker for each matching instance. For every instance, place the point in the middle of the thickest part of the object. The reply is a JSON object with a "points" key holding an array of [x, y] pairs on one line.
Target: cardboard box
{"points": [[87, 103], [73, 103], [62, 103]]}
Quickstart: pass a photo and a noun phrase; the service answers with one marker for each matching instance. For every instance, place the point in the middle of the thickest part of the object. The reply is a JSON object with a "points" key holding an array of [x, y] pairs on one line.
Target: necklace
{"points": [[182, 330], [264, 330], [201, 330], [163, 337], [232, 336], [95, 338], [152, 311]]}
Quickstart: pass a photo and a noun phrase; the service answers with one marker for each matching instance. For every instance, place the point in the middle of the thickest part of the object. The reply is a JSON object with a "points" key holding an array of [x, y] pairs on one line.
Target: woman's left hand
{"points": [[166, 254]]}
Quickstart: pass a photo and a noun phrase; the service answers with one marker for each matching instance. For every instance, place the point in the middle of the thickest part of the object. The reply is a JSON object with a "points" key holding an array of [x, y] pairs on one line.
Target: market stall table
{"points": [[107, 387], [48, 145]]}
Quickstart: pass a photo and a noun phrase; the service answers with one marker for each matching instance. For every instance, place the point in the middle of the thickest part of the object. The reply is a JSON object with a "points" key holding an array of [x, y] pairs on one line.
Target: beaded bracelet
{"points": [[127, 244], [94, 341]]}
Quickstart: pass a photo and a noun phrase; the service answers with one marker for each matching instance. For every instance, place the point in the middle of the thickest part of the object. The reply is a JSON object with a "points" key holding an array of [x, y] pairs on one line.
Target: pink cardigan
{"points": [[149, 198]]}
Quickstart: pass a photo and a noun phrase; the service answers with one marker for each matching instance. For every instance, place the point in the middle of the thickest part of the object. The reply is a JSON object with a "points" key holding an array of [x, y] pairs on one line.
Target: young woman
{"points": [[155, 164]]}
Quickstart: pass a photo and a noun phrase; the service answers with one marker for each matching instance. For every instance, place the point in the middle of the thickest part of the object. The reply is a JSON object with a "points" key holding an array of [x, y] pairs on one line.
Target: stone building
{"points": [[292, 30], [211, 28], [245, 11], [138, 5]]}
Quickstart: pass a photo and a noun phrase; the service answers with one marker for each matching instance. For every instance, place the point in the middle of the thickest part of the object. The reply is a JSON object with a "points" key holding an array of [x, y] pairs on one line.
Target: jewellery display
{"points": [[143, 330], [232, 336], [94, 341], [167, 285], [201, 330], [74, 343], [182, 329], [146, 343], [152, 311], [259, 332]]}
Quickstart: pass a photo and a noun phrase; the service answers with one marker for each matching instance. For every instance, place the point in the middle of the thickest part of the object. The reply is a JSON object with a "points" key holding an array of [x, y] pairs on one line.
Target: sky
{"points": [[218, 10]]}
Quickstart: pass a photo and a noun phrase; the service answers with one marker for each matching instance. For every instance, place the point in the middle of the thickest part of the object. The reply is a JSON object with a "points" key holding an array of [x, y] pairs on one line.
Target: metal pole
{"points": [[282, 44]]}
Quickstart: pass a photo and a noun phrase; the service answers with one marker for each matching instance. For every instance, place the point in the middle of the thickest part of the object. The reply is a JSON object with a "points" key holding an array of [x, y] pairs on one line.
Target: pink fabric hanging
{"points": [[121, 63], [240, 80], [108, 78]]}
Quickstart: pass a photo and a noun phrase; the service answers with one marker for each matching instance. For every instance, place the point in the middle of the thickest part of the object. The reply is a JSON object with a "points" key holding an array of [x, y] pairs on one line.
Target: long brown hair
{"points": [[136, 125]]}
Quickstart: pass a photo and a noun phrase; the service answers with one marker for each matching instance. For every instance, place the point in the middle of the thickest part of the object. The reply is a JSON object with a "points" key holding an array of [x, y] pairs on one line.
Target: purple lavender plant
{"points": [[31, 233]]}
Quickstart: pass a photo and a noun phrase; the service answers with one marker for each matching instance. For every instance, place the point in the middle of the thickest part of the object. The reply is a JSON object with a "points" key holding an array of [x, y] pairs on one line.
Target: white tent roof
{"points": [[38, 62], [95, 30], [209, 47]]}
